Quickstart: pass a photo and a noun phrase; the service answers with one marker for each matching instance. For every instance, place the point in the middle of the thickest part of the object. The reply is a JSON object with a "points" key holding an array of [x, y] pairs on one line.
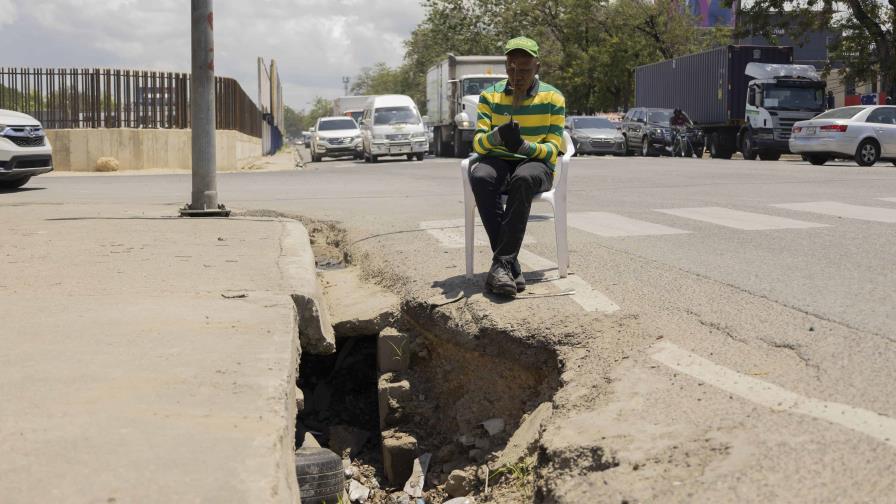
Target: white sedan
{"points": [[866, 134]]}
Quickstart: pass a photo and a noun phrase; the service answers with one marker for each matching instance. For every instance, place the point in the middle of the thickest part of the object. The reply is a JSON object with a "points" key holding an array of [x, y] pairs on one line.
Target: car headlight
{"points": [[582, 138], [420, 137]]}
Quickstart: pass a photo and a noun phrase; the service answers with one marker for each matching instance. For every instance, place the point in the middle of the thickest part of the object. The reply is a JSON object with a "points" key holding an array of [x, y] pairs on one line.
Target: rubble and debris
{"points": [[494, 426], [459, 484], [415, 484], [358, 492]]}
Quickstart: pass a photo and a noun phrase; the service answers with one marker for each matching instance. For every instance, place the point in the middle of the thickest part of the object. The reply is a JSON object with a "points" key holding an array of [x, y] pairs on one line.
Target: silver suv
{"points": [[335, 137]]}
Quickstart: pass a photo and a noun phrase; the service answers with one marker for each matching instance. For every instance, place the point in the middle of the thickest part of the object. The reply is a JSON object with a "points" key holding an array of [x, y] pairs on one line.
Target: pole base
{"points": [[221, 211]]}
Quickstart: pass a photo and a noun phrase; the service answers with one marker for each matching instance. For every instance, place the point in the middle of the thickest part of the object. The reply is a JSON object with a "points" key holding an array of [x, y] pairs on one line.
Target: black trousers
{"points": [[521, 181]]}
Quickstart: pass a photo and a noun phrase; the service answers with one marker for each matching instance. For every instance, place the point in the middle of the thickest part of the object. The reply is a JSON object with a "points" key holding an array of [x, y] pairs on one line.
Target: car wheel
{"points": [[867, 153], [770, 156], [410, 157], [420, 156], [894, 163], [14, 184], [320, 475], [627, 149], [698, 152], [746, 147], [316, 158], [817, 160], [646, 150], [374, 159]]}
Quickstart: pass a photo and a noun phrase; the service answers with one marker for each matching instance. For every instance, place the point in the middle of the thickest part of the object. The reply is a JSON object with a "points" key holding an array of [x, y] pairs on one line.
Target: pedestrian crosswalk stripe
{"points": [[613, 225], [450, 233], [837, 209], [737, 219], [589, 299]]}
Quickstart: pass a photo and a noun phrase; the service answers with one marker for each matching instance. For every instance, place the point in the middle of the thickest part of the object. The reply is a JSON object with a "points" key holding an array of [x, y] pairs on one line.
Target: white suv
{"points": [[24, 149], [335, 137]]}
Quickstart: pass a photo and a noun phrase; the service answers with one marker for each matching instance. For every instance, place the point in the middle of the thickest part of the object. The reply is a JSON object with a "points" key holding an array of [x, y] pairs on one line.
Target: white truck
{"points": [[352, 106], [453, 86]]}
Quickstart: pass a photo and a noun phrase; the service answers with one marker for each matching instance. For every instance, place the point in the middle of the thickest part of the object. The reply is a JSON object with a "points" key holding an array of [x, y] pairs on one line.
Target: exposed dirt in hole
{"points": [[329, 241]]}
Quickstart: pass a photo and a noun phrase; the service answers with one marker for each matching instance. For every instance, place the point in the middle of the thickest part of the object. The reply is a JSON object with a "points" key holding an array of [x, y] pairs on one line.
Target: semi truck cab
{"points": [[470, 87], [777, 97]]}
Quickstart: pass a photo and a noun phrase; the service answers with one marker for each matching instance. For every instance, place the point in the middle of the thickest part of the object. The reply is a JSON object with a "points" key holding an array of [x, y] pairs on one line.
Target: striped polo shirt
{"points": [[541, 117]]}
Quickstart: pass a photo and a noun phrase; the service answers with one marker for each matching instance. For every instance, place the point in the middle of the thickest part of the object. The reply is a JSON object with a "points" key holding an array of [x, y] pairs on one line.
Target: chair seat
{"points": [[556, 197]]}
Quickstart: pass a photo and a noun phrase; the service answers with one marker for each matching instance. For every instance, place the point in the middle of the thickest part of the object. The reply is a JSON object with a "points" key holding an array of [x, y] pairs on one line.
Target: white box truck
{"points": [[352, 106], [453, 86]]}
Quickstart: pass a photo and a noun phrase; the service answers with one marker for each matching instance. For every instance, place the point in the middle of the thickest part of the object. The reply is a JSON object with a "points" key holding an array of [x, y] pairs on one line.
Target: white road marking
{"points": [[774, 397], [589, 299], [613, 225], [450, 233], [739, 220], [837, 209], [891, 200]]}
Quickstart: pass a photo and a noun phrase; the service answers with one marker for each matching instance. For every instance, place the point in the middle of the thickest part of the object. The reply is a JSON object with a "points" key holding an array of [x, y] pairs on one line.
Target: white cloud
{"points": [[315, 42]]}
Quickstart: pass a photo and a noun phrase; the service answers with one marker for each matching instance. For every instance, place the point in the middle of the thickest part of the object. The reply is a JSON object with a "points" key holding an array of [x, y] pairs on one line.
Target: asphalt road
{"points": [[745, 270]]}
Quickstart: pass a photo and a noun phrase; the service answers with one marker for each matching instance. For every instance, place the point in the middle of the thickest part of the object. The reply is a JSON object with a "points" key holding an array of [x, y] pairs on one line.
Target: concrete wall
{"points": [[142, 149]]}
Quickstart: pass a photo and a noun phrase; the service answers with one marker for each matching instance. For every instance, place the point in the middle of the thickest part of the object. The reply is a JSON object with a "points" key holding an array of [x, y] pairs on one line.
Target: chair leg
{"points": [[560, 232], [469, 229]]}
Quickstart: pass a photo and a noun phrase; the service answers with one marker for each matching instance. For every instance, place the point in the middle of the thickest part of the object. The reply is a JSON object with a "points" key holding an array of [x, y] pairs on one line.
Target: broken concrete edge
{"points": [[287, 484], [524, 441], [300, 273]]}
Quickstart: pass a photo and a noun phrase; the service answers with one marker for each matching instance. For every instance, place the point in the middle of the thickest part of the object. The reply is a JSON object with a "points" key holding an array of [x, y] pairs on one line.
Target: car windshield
{"points": [[337, 124], [659, 116], [792, 98], [356, 115], [841, 113], [592, 123], [395, 115], [477, 85]]}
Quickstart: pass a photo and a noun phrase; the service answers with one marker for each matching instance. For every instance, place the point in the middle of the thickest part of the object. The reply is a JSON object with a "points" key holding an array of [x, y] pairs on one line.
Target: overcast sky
{"points": [[315, 42]]}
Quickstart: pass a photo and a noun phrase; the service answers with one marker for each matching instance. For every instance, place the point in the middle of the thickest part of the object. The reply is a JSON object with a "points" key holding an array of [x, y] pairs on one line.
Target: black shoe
{"points": [[500, 281], [517, 272]]}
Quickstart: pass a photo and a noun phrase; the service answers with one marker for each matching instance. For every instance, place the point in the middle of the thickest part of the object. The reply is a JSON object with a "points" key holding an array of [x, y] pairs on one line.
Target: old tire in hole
{"points": [[320, 475]]}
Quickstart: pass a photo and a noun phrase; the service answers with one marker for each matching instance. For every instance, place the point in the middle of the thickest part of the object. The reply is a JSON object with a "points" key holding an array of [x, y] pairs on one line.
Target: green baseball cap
{"points": [[524, 43]]}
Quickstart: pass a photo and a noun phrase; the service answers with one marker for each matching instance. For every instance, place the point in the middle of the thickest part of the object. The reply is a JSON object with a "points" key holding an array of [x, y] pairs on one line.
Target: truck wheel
{"points": [[817, 160], [14, 184], [868, 153], [771, 156], [716, 150], [420, 156], [747, 147], [374, 159]]}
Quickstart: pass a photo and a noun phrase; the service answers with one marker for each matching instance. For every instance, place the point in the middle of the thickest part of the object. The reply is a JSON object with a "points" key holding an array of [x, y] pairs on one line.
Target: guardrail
{"points": [[75, 98]]}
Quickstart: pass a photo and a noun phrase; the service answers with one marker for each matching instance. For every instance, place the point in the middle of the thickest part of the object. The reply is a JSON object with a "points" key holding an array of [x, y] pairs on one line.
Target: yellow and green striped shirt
{"points": [[541, 117]]}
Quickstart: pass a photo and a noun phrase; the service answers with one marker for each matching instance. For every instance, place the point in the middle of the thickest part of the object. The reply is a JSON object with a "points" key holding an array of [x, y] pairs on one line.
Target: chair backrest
{"points": [[561, 171]]}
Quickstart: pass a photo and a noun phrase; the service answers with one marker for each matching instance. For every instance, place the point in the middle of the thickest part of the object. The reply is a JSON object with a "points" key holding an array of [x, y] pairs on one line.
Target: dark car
{"points": [[595, 135], [647, 131]]}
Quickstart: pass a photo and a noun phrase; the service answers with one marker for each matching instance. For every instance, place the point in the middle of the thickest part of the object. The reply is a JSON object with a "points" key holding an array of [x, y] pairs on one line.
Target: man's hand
{"points": [[510, 136]]}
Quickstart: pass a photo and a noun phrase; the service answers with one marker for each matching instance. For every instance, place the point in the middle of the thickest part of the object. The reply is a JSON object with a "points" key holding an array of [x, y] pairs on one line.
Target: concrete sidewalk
{"points": [[146, 358]]}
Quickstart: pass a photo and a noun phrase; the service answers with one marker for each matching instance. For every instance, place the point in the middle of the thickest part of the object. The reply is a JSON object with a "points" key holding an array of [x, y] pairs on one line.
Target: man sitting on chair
{"points": [[519, 135]]}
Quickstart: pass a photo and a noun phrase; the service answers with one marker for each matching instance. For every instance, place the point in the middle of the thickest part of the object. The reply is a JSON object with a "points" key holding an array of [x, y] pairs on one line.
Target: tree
{"points": [[380, 79], [866, 44], [293, 122]]}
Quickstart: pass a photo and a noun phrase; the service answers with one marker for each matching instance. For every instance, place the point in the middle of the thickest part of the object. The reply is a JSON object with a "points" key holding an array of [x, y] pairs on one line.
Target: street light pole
{"points": [[204, 201], [345, 82]]}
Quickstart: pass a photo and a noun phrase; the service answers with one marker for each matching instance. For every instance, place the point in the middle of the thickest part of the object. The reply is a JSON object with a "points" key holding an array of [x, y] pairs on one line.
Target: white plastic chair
{"points": [[556, 197]]}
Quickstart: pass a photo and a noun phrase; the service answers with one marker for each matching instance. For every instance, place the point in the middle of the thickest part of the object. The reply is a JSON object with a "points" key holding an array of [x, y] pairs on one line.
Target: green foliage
{"points": [[520, 474], [589, 47], [293, 122], [866, 44]]}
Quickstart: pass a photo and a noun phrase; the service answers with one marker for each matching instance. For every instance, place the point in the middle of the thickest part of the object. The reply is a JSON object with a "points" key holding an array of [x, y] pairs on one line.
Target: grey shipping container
{"points": [[710, 87]]}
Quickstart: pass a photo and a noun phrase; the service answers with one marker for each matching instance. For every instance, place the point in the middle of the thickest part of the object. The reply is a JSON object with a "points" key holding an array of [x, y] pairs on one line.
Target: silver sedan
{"points": [[866, 134]]}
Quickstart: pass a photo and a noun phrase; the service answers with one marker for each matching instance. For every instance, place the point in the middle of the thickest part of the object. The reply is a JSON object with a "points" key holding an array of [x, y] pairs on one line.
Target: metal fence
{"points": [[62, 98]]}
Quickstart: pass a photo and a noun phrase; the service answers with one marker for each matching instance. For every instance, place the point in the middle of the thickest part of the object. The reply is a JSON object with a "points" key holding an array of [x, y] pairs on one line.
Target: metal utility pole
{"points": [[345, 81], [204, 202]]}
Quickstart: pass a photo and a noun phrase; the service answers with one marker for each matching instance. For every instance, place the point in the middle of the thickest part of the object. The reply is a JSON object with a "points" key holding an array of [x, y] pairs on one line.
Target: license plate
{"points": [[399, 150], [810, 131]]}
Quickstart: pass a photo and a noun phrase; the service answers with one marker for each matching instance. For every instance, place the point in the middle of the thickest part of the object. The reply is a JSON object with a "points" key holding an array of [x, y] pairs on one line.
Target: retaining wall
{"points": [[142, 149]]}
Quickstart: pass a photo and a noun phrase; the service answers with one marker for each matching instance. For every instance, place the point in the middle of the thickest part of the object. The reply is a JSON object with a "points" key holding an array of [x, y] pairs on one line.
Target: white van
{"points": [[392, 126]]}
